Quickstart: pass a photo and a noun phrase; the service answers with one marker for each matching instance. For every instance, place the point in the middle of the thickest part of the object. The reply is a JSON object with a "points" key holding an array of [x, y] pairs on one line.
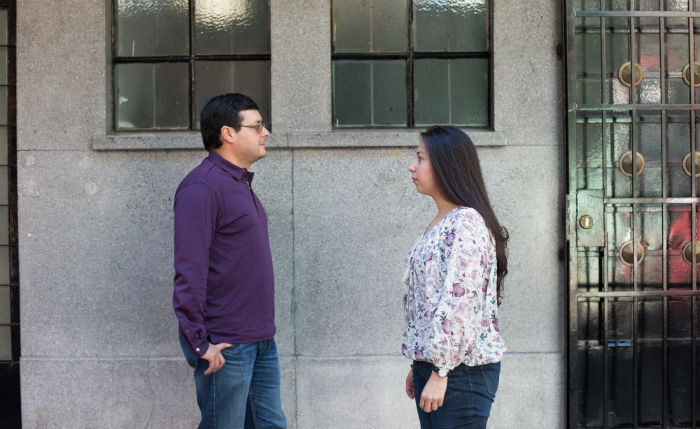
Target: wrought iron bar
{"points": [[606, 149], [637, 13], [664, 220], [573, 393], [651, 200], [635, 232], [693, 215], [640, 293], [637, 107]]}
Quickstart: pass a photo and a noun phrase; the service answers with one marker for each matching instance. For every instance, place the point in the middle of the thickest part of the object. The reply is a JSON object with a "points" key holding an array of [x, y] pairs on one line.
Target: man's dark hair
{"points": [[222, 110]]}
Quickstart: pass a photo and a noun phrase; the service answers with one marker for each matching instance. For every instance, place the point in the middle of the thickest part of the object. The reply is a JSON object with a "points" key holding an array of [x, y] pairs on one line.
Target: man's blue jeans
{"points": [[470, 393], [245, 392]]}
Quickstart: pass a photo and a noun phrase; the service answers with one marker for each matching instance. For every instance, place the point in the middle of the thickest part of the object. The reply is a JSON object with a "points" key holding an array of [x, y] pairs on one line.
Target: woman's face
{"points": [[422, 172]]}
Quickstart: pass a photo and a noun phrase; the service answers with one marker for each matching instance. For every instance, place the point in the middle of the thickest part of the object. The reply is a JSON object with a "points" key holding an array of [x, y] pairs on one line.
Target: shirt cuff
{"points": [[442, 372], [201, 349]]}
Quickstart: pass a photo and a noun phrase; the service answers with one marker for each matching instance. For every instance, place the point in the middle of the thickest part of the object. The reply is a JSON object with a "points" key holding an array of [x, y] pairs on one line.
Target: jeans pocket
{"points": [[491, 372]]}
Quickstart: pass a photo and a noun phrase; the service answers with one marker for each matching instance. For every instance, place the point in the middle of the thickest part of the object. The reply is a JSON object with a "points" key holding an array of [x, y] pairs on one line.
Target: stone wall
{"points": [[99, 338]]}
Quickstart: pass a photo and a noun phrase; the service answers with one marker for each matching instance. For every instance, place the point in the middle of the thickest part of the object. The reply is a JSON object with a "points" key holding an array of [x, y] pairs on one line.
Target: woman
{"points": [[453, 283]]}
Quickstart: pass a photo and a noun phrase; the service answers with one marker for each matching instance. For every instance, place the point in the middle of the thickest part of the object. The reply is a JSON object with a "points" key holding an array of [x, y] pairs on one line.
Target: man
{"points": [[224, 287]]}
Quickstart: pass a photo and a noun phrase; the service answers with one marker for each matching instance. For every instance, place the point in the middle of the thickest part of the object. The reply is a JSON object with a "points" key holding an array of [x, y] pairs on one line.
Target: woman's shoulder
{"points": [[467, 220], [468, 216]]}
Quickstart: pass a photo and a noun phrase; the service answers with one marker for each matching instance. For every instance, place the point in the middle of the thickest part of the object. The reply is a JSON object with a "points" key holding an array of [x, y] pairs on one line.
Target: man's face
{"points": [[249, 141]]}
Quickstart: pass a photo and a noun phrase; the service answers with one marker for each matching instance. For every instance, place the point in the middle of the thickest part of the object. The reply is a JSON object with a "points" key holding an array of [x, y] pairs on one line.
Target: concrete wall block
{"points": [[108, 394], [61, 64], [301, 65], [356, 214], [354, 393], [528, 73], [116, 393], [96, 243], [525, 185], [355, 221], [531, 392], [369, 392]]}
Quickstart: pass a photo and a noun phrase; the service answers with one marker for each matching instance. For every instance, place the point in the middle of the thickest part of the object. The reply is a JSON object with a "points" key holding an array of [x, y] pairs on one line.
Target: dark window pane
{"points": [[3, 146], [232, 27], [3, 105], [389, 93], [5, 343], [467, 26], [351, 93], [4, 265], [469, 92], [4, 191], [390, 26], [431, 87], [9, 396], [451, 92], [251, 78], [155, 27], [3, 27], [370, 26], [3, 66], [351, 25], [450, 26], [152, 96], [4, 226], [369, 93], [5, 318]]}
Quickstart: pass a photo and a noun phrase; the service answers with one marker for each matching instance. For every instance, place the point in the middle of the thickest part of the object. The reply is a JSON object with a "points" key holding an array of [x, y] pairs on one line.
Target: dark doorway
{"points": [[10, 416], [633, 73]]}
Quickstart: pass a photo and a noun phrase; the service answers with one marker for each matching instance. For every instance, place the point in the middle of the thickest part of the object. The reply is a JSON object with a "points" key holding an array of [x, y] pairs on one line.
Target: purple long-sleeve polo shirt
{"points": [[224, 283]]}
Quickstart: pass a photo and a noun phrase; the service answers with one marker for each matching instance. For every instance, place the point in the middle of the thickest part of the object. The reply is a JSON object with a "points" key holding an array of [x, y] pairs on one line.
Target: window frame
{"points": [[410, 57], [191, 59]]}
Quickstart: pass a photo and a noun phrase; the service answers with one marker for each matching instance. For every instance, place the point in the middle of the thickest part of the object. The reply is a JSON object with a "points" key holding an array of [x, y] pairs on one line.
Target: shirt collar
{"points": [[237, 172]]}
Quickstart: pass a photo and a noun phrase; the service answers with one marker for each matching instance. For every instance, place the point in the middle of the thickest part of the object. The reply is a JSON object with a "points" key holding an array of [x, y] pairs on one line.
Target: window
{"points": [[171, 56], [406, 63]]}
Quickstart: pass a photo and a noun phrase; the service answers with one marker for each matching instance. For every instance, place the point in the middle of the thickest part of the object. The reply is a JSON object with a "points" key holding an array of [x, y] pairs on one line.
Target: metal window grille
{"points": [[632, 213]]}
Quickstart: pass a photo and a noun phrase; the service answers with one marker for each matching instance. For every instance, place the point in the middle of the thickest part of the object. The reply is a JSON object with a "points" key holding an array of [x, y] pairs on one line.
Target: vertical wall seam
{"points": [[294, 288]]}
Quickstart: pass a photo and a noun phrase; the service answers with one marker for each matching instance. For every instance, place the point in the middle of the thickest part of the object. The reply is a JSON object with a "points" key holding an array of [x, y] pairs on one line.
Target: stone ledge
{"points": [[325, 139]]}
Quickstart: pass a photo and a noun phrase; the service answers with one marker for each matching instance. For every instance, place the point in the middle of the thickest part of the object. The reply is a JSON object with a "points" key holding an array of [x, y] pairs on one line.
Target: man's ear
{"points": [[227, 134]]}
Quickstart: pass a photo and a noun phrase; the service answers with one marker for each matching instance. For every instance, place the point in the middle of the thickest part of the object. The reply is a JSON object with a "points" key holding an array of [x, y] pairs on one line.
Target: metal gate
{"points": [[632, 113]]}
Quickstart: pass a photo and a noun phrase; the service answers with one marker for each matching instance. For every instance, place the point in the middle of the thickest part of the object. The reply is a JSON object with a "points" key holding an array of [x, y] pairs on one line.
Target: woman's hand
{"points": [[433, 393], [409, 384]]}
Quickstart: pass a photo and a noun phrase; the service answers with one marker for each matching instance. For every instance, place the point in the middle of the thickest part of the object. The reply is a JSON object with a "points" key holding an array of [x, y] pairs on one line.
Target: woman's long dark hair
{"points": [[456, 165]]}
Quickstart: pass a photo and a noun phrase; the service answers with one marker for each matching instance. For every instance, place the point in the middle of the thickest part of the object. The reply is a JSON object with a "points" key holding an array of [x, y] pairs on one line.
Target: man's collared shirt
{"points": [[224, 283]]}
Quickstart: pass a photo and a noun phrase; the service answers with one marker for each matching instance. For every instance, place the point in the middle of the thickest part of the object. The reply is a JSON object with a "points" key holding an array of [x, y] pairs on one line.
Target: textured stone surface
{"points": [[526, 187], [531, 392], [408, 138], [527, 75], [301, 65], [356, 214], [61, 64], [162, 141], [353, 393], [393, 138], [368, 392], [96, 253], [96, 231], [119, 393], [355, 220]]}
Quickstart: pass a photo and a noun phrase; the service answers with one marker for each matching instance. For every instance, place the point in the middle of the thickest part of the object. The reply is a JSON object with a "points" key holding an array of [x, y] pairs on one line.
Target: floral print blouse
{"points": [[450, 297]]}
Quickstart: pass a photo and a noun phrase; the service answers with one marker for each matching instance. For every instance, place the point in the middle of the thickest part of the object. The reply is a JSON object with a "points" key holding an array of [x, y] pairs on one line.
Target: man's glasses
{"points": [[257, 127]]}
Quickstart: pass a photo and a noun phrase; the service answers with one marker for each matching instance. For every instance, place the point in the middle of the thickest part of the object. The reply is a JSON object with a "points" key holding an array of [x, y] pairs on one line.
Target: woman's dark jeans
{"points": [[470, 393]]}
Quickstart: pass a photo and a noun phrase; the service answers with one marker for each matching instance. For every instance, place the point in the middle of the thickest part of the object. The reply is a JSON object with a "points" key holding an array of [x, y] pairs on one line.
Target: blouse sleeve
{"points": [[456, 325]]}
